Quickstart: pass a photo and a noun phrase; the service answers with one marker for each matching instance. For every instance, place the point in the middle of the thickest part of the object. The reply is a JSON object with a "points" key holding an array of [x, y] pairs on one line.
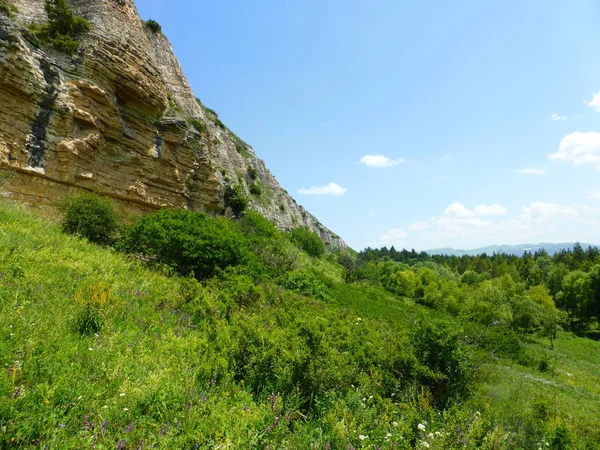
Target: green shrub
{"points": [[92, 217], [255, 224], [153, 26], [63, 27], [304, 283], [234, 199], [198, 125], [445, 367], [255, 189], [308, 241], [252, 173], [7, 7], [88, 321], [188, 242]]}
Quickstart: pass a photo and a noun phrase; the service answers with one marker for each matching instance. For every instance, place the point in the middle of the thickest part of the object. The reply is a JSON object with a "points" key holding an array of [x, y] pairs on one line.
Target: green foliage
{"points": [[304, 283], [92, 217], [235, 199], [255, 189], [63, 28], [198, 125], [308, 241], [174, 106], [97, 349], [446, 365], [252, 173], [8, 7], [187, 242], [153, 26]]}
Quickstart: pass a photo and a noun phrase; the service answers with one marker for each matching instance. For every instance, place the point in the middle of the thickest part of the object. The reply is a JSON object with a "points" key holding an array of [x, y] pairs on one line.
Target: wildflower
{"points": [[125, 409], [91, 349], [395, 424], [425, 444], [362, 438], [121, 445], [421, 427], [129, 428], [122, 394]]}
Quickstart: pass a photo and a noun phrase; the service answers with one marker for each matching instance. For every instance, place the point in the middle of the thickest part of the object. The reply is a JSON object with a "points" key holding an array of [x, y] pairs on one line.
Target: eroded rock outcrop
{"points": [[120, 118]]}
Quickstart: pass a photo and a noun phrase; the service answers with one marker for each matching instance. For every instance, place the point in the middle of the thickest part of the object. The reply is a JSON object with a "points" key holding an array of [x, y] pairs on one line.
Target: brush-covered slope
{"points": [[118, 117], [98, 351]]}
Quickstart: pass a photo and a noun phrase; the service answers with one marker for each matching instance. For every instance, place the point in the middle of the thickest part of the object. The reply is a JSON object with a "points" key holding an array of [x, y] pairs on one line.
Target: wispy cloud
{"points": [[581, 149], [530, 171], [556, 117], [594, 102], [594, 195], [330, 189], [381, 161]]}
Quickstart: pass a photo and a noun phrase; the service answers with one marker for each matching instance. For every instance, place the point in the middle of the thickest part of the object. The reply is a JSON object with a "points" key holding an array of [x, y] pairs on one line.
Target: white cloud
{"points": [[460, 227], [580, 149], [395, 236], [540, 210], [421, 225], [491, 210], [458, 210], [594, 195], [330, 189], [530, 171], [594, 102], [555, 117], [380, 161]]}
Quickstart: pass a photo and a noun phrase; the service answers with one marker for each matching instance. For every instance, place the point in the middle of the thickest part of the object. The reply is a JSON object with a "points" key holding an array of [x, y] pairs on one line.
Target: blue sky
{"points": [[483, 112]]}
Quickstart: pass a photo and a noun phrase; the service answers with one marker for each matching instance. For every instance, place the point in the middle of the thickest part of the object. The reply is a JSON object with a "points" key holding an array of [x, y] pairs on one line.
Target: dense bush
{"points": [[188, 242], [92, 217], [235, 199], [153, 25], [308, 241], [255, 189], [63, 28]]}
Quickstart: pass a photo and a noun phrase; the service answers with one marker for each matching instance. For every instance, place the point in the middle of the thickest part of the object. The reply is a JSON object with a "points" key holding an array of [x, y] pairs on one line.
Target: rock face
{"points": [[120, 118]]}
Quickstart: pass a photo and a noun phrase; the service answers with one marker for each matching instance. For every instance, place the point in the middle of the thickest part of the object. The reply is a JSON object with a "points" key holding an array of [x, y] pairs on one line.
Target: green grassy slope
{"points": [[175, 364]]}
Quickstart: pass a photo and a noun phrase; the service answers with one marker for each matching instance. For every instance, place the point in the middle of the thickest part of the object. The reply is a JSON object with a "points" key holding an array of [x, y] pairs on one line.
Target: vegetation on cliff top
{"points": [[63, 28], [108, 350]]}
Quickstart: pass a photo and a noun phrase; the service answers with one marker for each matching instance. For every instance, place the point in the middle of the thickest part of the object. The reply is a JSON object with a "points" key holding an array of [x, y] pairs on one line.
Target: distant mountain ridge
{"points": [[517, 250]]}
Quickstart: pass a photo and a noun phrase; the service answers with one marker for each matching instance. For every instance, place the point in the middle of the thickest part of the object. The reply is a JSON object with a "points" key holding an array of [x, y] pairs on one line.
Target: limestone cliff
{"points": [[119, 118]]}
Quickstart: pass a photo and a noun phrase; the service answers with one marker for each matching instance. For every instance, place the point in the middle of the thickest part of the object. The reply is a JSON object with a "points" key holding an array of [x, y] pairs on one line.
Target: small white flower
{"points": [[438, 434], [91, 349], [425, 444], [125, 409], [388, 435], [122, 394], [105, 407], [80, 397], [362, 438], [395, 424], [421, 427]]}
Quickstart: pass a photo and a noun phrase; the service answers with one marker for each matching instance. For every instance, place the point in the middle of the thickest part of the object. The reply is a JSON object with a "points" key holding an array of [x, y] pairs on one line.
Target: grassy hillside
{"points": [[98, 350]]}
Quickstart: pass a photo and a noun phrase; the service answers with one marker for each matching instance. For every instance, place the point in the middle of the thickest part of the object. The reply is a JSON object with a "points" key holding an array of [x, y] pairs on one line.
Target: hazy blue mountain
{"points": [[508, 249]]}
